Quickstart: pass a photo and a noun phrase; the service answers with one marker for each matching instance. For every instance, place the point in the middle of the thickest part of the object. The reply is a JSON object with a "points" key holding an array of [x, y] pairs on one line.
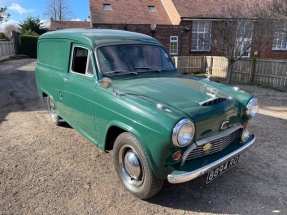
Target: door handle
{"points": [[66, 80]]}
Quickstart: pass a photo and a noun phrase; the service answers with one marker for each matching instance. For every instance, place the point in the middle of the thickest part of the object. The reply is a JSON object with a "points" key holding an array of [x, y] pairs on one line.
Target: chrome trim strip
{"points": [[175, 179], [217, 136]]}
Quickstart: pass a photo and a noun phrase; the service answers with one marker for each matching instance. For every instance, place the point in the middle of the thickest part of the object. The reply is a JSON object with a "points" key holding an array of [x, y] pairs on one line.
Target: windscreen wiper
{"points": [[148, 69], [119, 72]]}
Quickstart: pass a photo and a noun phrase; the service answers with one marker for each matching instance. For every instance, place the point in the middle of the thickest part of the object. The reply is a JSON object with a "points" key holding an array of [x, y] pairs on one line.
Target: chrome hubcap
{"points": [[131, 167], [132, 164], [53, 111]]}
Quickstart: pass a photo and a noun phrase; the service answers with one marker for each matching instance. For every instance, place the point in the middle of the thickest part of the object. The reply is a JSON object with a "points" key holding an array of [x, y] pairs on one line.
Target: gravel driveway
{"points": [[46, 169]]}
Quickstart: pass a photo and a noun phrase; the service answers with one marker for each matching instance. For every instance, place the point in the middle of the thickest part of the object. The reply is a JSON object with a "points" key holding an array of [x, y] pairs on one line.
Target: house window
{"points": [[173, 45], [151, 8], [201, 36], [280, 38], [244, 33], [107, 6]]}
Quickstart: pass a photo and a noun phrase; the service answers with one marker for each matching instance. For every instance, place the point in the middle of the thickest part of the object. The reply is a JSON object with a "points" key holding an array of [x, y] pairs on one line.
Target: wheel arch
{"points": [[116, 128]]}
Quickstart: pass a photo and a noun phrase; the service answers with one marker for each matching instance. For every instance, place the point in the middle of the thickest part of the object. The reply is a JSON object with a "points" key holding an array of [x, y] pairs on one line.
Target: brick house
{"points": [[178, 24], [56, 25]]}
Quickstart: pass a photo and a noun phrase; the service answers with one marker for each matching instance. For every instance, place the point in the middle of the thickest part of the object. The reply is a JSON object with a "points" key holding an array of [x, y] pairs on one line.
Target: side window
{"points": [[82, 62], [90, 70]]}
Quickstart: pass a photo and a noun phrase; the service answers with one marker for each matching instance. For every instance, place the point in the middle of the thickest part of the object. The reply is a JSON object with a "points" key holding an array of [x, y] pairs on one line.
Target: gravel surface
{"points": [[45, 169]]}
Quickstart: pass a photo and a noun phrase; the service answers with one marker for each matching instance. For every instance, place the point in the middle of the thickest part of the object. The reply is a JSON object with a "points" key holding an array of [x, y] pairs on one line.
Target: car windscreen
{"points": [[125, 59]]}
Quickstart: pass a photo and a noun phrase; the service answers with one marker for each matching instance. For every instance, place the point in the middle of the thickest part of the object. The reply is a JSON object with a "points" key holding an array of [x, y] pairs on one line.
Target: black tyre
{"points": [[52, 111], [133, 169]]}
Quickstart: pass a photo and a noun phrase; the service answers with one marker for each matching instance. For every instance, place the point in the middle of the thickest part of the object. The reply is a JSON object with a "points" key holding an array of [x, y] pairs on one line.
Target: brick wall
{"points": [[183, 31], [162, 34]]}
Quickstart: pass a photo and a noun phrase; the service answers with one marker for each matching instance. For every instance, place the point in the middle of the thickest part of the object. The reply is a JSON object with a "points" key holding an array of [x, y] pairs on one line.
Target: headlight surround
{"points": [[252, 107], [244, 136], [183, 133]]}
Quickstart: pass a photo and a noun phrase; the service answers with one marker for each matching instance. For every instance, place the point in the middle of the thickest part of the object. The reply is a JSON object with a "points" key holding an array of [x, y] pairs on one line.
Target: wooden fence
{"points": [[6, 49], [266, 72], [186, 64]]}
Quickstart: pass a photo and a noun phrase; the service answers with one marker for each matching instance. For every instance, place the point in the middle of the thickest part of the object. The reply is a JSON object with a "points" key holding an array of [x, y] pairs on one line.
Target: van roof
{"points": [[97, 37]]}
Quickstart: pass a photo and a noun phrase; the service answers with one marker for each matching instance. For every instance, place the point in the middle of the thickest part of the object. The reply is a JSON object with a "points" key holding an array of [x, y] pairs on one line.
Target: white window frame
{"points": [[242, 27], [88, 63], [280, 39], [173, 40], [107, 6], [151, 8], [197, 43]]}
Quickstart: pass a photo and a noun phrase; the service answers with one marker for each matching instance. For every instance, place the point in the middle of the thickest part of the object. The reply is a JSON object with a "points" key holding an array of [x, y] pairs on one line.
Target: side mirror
{"points": [[106, 82]]}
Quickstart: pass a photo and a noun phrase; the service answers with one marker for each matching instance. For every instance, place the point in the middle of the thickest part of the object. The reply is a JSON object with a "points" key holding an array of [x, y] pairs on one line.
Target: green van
{"points": [[122, 92]]}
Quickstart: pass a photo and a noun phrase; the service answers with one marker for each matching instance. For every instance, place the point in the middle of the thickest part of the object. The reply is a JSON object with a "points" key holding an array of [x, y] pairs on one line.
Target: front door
{"points": [[79, 85]]}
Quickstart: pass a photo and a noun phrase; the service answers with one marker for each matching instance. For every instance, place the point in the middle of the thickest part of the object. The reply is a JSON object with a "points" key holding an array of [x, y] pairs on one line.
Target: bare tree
{"points": [[3, 14], [238, 28], [278, 9], [58, 10]]}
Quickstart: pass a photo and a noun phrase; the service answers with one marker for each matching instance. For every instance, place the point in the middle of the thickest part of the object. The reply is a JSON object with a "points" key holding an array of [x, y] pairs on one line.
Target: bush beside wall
{"points": [[29, 45]]}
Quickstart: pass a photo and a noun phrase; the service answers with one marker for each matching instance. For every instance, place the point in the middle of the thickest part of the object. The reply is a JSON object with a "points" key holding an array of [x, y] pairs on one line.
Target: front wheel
{"points": [[52, 111], [132, 167]]}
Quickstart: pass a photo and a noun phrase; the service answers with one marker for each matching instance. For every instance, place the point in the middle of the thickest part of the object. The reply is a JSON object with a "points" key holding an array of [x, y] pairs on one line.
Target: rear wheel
{"points": [[133, 168], [52, 111]]}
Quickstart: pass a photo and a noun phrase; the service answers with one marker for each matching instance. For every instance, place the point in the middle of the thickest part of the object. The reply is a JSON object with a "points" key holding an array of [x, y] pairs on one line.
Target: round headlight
{"points": [[252, 107], [183, 133]]}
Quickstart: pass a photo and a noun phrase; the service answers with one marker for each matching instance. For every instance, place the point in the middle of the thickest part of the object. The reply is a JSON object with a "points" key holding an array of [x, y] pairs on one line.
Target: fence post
{"points": [[15, 36], [211, 65], [203, 64], [252, 70], [175, 61]]}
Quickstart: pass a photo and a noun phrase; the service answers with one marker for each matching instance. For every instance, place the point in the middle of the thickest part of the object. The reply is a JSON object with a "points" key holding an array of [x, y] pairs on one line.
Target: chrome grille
{"points": [[217, 146]]}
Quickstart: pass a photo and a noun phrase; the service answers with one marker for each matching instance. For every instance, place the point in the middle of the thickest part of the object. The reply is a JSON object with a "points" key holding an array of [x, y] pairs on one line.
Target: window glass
{"points": [[151, 8], [201, 36], [244, 33], [173, 45], [133, 58], [90, 70], [280, 38], [80, 57], [107, 7]]}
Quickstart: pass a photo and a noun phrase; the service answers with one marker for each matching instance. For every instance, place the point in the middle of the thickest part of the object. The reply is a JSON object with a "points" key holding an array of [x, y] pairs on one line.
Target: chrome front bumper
{"points": [[180, 178]]}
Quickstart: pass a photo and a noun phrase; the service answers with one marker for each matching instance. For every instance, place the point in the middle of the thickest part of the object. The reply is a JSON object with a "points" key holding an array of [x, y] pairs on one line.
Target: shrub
{"points": [[29, 45]]}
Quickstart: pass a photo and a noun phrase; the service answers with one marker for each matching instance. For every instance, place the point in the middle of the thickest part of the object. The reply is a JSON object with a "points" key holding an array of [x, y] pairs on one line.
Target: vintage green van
{"points": [[122, 92]]}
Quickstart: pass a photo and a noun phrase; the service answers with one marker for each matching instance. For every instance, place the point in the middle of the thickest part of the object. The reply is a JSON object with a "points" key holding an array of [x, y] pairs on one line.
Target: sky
{"points": [[19, 10]]}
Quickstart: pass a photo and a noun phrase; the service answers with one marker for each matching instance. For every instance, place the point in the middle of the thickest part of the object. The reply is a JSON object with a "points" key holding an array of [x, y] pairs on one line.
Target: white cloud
{"points": [[9, 22], [78, 19], [46, 23], [18, 8]]}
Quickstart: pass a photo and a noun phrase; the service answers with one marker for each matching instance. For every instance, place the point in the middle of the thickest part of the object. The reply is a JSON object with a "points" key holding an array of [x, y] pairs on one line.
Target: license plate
{"points": [[221, 169]]}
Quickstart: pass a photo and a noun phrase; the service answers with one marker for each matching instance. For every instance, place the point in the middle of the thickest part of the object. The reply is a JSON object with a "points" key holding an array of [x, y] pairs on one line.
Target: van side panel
{"points": [[52, 67]]}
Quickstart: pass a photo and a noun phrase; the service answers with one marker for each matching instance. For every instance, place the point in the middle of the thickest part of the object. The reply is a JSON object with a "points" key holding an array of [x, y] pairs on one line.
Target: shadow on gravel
{"points": [[256, 185], [18, 87]]}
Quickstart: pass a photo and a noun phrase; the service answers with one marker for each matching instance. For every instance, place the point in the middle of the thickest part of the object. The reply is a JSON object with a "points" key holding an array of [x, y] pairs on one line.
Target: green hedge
{"points": [[29, 45]]}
